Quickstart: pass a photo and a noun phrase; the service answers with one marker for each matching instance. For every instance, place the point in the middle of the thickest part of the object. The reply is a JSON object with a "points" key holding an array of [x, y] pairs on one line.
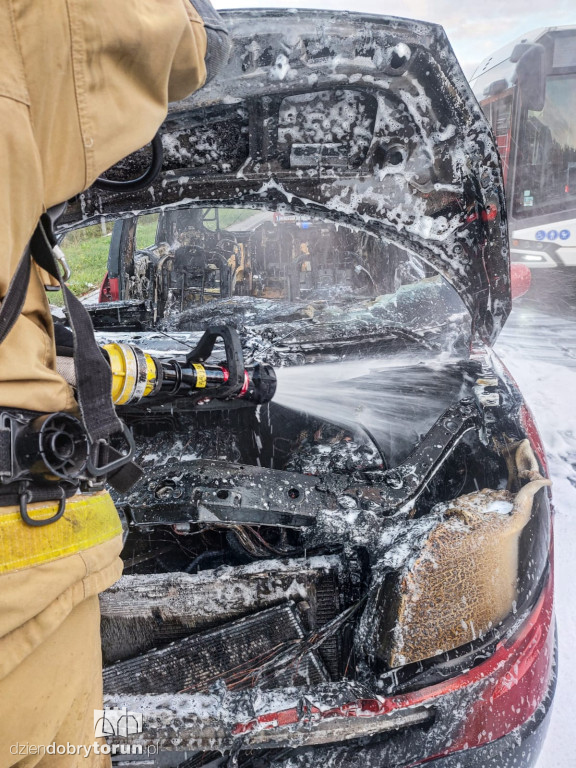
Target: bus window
{"points": [[546, 172], [499, 112], [571, 179]]}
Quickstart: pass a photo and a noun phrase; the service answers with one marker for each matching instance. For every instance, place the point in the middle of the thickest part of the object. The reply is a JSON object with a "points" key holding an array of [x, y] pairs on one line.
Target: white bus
{"points": [[528, 92]]}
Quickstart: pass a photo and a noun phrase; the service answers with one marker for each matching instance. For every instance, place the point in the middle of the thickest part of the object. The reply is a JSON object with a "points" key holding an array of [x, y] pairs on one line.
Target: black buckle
{"points": [[97, 470], [26, 496]]}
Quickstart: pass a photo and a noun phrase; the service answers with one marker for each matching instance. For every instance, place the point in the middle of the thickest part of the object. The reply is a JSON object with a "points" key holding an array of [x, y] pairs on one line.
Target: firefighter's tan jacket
{"points": [[82, 84]]}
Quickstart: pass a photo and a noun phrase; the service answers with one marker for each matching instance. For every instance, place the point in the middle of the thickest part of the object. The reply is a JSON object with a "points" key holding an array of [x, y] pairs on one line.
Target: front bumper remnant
{"points": [[401, 730]]}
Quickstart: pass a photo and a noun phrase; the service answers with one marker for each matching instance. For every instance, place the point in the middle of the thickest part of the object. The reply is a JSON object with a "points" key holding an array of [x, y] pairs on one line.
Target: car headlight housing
{"points": [[465, 578]]}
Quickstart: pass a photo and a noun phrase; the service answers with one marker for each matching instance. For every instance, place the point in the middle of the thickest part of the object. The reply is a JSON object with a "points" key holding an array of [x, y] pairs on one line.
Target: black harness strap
{"points": [[93, 374], [13, 302]]}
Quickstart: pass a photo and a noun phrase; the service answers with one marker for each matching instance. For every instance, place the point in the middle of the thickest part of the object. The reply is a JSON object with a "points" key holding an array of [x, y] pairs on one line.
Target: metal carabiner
{"points": [[61, 259], [25, 497], [121, 458]]}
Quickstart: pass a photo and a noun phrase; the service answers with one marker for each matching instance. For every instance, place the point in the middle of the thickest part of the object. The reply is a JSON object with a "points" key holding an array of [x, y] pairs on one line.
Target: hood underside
{"points": [[363, 120]]}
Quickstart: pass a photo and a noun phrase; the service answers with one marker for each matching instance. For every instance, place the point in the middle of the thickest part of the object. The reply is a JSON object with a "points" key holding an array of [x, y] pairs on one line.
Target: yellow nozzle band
{"points": [[151, 374], [134, 373], [200, 375]]}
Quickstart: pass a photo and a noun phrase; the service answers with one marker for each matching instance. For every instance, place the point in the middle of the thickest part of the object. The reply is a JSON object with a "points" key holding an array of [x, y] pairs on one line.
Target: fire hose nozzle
{"points": [[137, 375], [262, 383]]}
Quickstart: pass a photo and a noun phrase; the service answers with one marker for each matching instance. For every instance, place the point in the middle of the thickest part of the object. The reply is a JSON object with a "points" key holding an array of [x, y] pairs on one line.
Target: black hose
{"points": [[211, 554], [238, 550], [376, 444], [132, 185]]}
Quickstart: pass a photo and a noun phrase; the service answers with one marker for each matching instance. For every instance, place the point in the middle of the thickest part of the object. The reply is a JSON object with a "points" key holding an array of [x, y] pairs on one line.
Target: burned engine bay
{"points": [[272, 550], [371, 529], [295, 570]]}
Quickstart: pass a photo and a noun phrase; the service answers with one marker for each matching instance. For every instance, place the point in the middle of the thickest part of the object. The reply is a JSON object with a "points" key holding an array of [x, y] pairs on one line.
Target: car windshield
{"points": [[190, 267]]}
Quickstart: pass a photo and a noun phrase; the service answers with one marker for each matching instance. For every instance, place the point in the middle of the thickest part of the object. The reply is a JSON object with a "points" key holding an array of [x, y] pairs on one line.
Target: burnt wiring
{"points": [[244, 544], [256, 546], [162, 541]]}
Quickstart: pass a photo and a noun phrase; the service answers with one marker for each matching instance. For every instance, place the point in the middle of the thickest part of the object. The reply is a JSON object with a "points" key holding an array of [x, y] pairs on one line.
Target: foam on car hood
{"points": [[367, 120]]}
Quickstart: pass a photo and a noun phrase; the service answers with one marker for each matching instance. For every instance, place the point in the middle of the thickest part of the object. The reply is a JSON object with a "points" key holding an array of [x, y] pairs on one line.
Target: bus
{"points": [[528, 93]]}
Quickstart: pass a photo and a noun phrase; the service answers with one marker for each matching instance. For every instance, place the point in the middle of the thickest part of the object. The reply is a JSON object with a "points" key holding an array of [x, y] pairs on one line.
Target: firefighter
{"points": [[82, 85]]}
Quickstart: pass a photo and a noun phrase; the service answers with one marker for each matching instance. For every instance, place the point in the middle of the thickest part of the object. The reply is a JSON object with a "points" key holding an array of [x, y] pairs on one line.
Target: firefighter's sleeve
{"points": [[84, 84], [217, 39], [139, 55]]}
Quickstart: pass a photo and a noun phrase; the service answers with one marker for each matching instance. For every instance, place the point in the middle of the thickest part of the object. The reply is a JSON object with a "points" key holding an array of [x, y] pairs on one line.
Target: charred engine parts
{"points": [[241, 653], [275, 624], [427, 606], [138, 375], [395, 579], [147, 612], [223, 492]]}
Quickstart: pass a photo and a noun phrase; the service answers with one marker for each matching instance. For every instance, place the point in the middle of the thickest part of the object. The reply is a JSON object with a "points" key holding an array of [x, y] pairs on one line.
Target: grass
{"points": [[86, 249], [146, 230], [86, 252]]}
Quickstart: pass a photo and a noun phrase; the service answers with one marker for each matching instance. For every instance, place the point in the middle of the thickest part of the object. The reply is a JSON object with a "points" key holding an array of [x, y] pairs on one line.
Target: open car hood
{"points": [[361, 119]]}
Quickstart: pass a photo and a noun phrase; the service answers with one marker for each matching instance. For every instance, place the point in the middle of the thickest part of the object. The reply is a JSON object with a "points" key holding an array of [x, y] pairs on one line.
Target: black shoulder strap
{"points": [[15, 296], [93, 374]]}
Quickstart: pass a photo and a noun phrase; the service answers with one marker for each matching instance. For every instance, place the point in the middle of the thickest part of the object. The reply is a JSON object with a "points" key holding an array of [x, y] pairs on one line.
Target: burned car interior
{"points": [[379, 525], [286, 267]]}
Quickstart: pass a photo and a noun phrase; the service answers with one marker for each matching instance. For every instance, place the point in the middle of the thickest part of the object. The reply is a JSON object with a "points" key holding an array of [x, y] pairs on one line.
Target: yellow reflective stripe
{"points": [[87, 521]]}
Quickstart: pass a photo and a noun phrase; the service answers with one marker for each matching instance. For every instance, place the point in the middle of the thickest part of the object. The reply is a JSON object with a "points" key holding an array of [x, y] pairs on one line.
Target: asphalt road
{"points": [[538, 345]]}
